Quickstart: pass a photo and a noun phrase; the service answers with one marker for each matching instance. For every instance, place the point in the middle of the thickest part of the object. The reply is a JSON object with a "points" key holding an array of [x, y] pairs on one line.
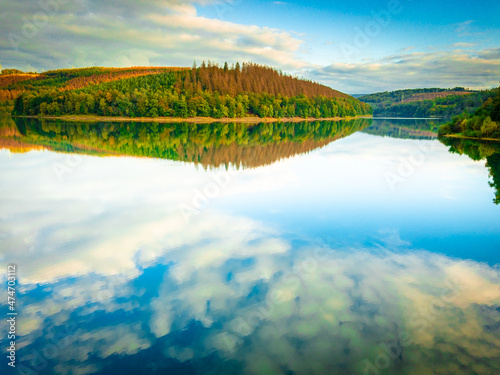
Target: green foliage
{"points": [[211, 145], [494, 107], [493, 164], [483, 123], [422, 103], [489, 128], [210, 91], [14, 71], [389, 97], [6, 107], [68, 79]]}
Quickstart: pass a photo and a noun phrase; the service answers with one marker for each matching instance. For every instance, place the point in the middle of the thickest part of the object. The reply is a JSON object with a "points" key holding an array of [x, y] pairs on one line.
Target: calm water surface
{"points": [[328, 248]]}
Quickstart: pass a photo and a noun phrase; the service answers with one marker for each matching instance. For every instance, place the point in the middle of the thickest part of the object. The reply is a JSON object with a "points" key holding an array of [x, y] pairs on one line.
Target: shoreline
{"points": [[194, 120], [466, 137]]}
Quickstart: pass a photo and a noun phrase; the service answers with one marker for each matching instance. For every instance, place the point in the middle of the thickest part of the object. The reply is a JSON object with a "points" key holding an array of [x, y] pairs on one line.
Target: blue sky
{"points": [[353, 46]]}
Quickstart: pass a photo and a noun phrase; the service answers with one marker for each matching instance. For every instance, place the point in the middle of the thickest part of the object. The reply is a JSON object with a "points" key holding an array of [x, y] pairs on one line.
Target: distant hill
{"points": [[208, 91], [434, 95], [428, 102]]}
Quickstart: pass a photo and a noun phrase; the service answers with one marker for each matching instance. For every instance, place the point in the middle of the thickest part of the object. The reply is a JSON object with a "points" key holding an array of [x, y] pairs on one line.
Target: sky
{"points": [[353, 46]]}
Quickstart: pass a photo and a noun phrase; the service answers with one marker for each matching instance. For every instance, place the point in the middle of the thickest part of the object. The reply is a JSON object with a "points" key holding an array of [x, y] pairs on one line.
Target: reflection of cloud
{"points": [[124, 339], [105, 229], [138, 280], [340, 305]]}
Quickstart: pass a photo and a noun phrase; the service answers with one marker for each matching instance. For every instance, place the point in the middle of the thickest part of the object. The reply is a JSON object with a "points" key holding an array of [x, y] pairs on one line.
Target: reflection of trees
{"points": [[493, 163], [210, 145], [11, 138], [248, 157], [413, 129], [8, 127], [479, 150]]}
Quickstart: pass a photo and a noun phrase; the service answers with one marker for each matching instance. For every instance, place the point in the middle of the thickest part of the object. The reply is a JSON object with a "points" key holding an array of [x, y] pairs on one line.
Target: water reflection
{"points": [[244, 300], [405, 128], [311, 265], [210, 145], [479, 150]]}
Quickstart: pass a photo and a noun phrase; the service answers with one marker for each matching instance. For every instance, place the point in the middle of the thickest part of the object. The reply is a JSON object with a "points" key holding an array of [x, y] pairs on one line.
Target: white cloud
{"points": [[173, 33], [475, 70], [136, 33]]}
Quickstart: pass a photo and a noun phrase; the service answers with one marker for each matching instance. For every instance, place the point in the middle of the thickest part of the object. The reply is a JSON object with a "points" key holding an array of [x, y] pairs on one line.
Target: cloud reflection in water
{"points": [[114, 279]]}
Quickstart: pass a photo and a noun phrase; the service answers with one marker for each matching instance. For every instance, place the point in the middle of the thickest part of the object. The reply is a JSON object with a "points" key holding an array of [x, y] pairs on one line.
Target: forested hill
{"points": [[209, 91], [429, 102]]}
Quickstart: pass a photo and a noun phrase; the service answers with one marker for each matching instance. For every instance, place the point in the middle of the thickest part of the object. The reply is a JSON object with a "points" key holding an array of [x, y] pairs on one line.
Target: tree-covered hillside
{"points": [[483, 123], [14, 83], [208, 91], [431, 102]]}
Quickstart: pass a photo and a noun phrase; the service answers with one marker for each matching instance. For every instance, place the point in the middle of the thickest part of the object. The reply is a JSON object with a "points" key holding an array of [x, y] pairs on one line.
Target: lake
{"points": [[351, 247]]}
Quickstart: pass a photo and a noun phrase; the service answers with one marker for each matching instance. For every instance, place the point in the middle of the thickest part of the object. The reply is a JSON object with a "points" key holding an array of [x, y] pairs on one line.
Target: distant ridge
{"points": [[426, 102]]}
